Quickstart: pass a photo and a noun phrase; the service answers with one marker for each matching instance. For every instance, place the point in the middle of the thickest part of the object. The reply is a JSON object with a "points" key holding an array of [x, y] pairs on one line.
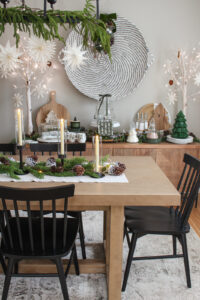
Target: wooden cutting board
{"points": [[160, 114], [60, 110], [161, 118], [147, 109]]}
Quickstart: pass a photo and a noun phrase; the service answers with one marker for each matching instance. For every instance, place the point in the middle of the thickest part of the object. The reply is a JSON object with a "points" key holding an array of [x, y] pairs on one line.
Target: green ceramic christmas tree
{"points": [[180, 127]]}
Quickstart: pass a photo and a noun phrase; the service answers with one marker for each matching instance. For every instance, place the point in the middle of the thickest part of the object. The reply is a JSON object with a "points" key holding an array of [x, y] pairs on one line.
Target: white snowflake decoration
{"points": [[9, 59], [172, 98], [40, 90], [41, 51], [18, 100], [73, 56], [197, 79]]}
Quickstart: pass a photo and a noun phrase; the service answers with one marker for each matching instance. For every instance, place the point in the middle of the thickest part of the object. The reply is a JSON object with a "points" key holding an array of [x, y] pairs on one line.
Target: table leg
{"points": [[104, 225], [114, 251]]}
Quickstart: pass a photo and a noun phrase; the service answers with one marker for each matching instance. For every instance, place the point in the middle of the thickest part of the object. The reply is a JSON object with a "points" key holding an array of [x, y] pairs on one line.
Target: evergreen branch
{"points": [[27, 20], [40, 169]]}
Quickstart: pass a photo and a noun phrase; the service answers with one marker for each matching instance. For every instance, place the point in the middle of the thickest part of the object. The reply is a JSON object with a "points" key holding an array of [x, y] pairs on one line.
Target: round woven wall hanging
{"points": [[119, 77]]}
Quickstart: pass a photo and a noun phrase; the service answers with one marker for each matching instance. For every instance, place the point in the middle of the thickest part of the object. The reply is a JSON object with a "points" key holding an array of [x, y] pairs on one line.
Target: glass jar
{"points": [[142, 123], [152, 133]]}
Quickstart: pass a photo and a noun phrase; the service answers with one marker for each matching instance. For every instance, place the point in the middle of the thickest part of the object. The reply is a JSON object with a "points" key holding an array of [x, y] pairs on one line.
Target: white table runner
{"points": [[30, 178]]}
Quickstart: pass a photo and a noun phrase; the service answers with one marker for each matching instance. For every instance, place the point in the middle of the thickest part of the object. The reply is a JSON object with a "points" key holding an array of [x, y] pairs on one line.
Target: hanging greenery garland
{"points": [[25, 19]]}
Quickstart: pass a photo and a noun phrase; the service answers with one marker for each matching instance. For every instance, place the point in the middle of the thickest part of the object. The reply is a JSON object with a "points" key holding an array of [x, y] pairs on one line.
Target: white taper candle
{"points": [[62, 136], [97, 153], [19, 121]]}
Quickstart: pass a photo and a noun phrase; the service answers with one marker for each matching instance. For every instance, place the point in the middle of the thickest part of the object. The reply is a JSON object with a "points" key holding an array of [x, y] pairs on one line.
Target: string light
{"points": [[184, 72]]}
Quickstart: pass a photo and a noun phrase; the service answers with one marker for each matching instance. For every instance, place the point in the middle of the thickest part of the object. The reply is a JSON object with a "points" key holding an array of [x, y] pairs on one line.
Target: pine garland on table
{"points": [[12, 168]]}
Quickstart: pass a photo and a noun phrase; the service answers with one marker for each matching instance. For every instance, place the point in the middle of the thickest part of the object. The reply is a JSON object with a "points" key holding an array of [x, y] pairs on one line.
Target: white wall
{"points": [[167, 25]]}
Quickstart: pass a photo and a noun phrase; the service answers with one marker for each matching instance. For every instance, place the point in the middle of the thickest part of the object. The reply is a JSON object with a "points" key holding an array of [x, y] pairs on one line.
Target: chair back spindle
{"points": [[188, 187], [25, 233], [53, 147], [8, 149]]}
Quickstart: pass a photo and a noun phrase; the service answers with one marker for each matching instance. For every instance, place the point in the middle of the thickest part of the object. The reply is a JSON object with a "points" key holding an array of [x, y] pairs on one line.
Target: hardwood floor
{"points": [[195, 218]]}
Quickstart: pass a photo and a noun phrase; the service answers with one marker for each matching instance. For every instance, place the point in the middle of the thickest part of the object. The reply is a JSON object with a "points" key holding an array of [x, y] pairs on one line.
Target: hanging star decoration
{"points": [[41, 51], [73, 56], [9, 59]]}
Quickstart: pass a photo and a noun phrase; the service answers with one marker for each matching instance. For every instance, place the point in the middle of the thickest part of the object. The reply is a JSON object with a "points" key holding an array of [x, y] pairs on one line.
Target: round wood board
{"points": [[60, 110], [161, 115]]}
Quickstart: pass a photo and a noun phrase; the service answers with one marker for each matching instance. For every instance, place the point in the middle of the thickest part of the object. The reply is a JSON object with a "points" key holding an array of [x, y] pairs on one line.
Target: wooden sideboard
{"points": [[168, 156]]}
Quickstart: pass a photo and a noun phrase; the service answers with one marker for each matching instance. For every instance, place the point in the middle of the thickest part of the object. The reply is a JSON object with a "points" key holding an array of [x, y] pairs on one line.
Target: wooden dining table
{"points": [[147, 185]]}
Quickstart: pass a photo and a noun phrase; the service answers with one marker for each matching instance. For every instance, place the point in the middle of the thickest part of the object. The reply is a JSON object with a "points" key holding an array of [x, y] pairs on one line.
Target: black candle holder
{"points": [[62, 157], [20, 148]]}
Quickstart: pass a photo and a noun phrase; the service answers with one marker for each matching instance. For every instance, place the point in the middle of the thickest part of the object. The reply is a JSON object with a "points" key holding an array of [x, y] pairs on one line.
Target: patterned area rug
{"points": [[149, 280]]}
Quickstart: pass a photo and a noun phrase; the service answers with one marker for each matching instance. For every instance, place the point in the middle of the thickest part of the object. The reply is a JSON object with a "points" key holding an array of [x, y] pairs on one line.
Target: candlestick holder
{"points": [[20, 148], [62, 157]]}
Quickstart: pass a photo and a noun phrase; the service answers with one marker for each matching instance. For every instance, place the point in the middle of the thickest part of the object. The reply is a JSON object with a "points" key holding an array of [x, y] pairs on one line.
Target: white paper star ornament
{"points": [[9, 59], [73, 56]]}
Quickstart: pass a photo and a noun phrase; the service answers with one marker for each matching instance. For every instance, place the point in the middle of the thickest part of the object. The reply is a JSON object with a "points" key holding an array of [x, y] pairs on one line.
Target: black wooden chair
{"points": [[140, 221], [8, 149], [37, 237], [53, 147]]}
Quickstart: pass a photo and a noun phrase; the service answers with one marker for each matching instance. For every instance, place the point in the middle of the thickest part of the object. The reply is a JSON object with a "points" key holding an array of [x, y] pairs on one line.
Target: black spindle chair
{"points": [[37, 237], [8, 149], [74, 148], [140, 221], [53, 147]]}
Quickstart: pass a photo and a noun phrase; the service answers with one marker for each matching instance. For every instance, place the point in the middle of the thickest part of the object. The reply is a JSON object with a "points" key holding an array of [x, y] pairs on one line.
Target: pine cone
{"points": [[51, 162], [53, 169], [117, 171], [34, 157], [4, 161], [58, 169], [79, 170], [31, 161], [120, 165]]}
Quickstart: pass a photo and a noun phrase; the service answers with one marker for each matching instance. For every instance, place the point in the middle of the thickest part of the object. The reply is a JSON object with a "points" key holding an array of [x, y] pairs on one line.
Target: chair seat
{"points": [[72, 229], [153, 220]]}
